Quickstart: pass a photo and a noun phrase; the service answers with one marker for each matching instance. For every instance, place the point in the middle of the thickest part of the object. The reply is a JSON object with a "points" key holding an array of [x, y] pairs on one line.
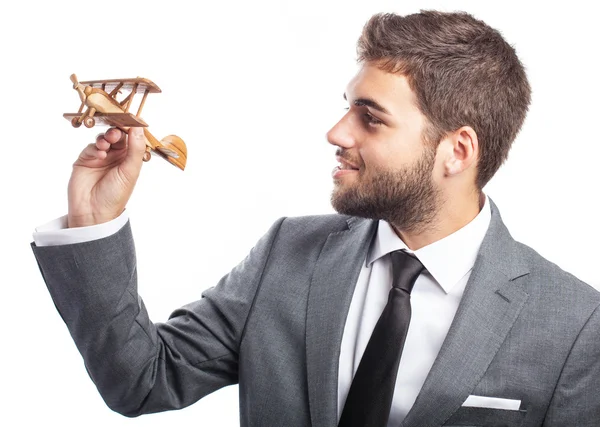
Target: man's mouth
{"points": [[344, 165]]}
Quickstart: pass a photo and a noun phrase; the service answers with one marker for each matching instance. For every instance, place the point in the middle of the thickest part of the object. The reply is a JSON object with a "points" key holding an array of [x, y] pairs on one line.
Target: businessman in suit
{"points": [[492, 333]]}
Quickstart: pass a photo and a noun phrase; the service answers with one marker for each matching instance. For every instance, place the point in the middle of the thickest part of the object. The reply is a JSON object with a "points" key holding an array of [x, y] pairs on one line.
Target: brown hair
{"points": [[463, 74]]}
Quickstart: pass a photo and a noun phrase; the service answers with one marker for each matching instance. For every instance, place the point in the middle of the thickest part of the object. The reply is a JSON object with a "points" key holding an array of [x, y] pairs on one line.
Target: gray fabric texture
{"points": [[525, 330]]}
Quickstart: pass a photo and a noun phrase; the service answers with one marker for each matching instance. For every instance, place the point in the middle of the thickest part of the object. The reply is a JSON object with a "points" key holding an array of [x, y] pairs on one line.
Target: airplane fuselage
{"points": [[102, 103]]}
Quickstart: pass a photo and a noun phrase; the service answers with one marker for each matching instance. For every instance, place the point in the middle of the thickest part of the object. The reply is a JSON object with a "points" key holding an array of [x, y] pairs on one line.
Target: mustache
{"points": [[344, 155]]}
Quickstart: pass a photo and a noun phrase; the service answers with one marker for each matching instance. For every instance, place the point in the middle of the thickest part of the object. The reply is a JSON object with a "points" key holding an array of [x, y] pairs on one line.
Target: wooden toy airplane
{"points": [[100, 98]]}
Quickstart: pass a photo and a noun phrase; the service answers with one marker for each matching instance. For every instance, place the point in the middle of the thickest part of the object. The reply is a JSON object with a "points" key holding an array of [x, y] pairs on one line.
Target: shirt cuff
{"points": [[56, 232]]}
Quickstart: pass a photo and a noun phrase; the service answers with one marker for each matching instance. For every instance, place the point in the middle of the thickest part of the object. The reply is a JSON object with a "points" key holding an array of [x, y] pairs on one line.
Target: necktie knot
{"points": [[406, 268]]}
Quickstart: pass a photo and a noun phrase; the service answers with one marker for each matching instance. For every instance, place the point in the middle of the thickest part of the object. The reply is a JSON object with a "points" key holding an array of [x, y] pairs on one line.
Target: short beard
{"points": [[407, 199]]}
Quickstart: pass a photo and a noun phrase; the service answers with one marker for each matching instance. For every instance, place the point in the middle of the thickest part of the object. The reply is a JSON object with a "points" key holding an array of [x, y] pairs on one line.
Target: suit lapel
{"points": [[491, 303], [332, 286]]}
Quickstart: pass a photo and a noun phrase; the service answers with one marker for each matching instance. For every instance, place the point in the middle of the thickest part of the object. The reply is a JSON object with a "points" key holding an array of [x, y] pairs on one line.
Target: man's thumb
{"points": [[136, 144]]}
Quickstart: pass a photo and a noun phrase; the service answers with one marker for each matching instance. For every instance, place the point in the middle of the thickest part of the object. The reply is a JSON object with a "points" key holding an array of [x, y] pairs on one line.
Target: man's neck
{"points": [[451, 217]]}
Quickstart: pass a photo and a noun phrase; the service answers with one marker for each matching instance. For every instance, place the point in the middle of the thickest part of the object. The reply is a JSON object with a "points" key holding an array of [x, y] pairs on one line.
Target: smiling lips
{"points": [[345, 165], [343, 168]]}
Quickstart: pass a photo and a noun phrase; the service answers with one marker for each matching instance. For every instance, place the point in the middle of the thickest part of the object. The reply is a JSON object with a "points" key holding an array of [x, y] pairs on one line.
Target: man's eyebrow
{"points": [[369, 103]]}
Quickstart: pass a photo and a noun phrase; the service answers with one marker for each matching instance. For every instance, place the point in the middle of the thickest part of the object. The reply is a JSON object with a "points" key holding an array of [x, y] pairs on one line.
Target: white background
{"points": [[252, 87]]}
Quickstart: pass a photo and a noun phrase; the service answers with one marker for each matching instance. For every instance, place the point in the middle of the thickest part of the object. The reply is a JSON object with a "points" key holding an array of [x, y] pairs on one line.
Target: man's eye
{"points": [[372, 120]]}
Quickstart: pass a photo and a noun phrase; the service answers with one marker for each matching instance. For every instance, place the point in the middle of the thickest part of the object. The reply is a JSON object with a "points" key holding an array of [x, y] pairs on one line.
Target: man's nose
{"points": [[340, 135]]}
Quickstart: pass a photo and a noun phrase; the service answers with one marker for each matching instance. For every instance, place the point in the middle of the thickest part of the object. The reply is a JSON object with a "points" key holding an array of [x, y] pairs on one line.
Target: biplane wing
{"points": [[113, 119], [141, 85]]}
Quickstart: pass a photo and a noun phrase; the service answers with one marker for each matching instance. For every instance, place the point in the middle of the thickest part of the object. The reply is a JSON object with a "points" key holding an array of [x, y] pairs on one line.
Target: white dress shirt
{"points": [[434, 301], [434, 298]]}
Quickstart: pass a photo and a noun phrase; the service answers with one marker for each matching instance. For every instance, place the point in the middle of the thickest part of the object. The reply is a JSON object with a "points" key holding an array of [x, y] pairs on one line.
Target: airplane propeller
{"points": [[78, 87], [74, 80]]}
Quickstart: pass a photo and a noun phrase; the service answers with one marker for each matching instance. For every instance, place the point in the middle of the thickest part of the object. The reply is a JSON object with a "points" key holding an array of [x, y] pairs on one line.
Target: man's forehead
{"points": [[388, 89]]}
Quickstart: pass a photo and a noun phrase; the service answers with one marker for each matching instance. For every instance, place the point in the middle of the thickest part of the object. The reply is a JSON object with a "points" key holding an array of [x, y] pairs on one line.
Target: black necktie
{"points": [[370, 397]]}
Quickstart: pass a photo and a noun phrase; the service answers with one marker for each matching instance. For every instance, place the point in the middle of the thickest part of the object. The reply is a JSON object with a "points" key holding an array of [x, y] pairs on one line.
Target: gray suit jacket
{"points": [[524, 330]]}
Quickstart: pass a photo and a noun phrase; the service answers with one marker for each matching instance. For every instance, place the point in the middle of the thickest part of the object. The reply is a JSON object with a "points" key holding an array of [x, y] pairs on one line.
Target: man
{"points": [[320, 324]]}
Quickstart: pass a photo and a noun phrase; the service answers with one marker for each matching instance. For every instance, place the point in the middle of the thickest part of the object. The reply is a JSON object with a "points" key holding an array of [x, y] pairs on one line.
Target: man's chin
{"points": [[345, 204]]}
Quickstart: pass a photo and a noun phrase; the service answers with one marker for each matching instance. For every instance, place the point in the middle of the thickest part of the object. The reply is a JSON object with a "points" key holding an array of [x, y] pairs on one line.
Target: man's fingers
{"points": [[113, 138], [114, 135], [102, 144], [92, 152], [116, 139]]}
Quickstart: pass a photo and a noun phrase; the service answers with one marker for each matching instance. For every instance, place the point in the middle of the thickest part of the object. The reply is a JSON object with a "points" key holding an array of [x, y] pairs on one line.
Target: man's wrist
{"points": [[77, 221], [56, 232]]}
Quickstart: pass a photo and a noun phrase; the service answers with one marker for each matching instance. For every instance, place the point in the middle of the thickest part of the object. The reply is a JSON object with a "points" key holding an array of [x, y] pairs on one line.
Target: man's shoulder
{"points": [[323, 223], [308, 230], [557, 283]]}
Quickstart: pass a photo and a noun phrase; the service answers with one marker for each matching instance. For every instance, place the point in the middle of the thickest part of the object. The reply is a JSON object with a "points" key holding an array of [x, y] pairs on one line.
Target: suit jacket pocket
{"points": [[485, 417]]}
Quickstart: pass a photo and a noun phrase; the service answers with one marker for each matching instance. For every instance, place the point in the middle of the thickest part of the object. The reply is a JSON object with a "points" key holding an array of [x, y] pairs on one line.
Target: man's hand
{"points": [[104, 176]]}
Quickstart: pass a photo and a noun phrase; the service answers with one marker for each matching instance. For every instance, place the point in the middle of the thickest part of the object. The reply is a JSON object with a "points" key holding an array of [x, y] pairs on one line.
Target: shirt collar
{"points": [[447, 259]]}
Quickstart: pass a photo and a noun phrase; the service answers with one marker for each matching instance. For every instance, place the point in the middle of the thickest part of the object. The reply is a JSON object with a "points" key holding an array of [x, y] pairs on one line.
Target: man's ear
{"points": [[460, 149]]}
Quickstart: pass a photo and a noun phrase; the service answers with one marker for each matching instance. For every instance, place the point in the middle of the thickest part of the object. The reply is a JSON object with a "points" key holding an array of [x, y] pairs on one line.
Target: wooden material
{"points": [[143, 102], [104, 108], [119, 120], [171, 148], [115, 91], [127, 84], [130, 98]]}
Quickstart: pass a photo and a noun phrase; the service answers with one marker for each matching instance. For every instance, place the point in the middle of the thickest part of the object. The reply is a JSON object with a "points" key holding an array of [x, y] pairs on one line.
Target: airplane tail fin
{"points": [[171, 148]]}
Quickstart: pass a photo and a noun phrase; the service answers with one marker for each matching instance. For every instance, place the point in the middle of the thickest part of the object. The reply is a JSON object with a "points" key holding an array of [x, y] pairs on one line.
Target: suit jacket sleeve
{"points": [[575, 401], [137, 366]]}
